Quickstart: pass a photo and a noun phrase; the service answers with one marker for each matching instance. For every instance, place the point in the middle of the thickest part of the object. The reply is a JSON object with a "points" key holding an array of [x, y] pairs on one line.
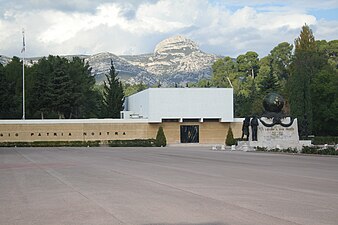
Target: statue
{"points": [[254, 125], [276, 129], [273, 104], [245, 128]]}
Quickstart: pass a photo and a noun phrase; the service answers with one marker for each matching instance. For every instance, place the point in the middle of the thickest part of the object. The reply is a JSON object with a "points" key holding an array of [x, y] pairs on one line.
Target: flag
{"points": [[23, 42]]}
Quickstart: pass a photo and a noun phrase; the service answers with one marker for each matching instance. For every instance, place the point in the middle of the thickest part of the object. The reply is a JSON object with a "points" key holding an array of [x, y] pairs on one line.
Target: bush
{"points": [[310, 149], [261, 149], [161, 140], [291, 150], [51, 144], [286, 150], [230, 138], [305, 150], [328, 151], [132, 143], [322, 140], [319, 151]]}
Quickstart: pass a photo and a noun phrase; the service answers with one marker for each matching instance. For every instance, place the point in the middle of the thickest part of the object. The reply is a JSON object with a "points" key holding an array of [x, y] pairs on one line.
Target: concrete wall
{"points": [[139, 103], [183, 103], [108, 129]]}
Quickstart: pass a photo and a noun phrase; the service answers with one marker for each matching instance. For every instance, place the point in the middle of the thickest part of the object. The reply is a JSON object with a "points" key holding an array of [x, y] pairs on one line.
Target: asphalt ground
{"points": [[173, 185]]}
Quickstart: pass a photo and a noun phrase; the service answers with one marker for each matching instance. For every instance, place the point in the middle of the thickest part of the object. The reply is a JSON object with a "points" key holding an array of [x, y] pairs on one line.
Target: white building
{"points": [[187, 115], [181, 104]]}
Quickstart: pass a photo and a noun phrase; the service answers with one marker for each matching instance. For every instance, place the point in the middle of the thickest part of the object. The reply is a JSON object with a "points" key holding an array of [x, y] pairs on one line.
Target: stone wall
{"points": [[209, 132]]}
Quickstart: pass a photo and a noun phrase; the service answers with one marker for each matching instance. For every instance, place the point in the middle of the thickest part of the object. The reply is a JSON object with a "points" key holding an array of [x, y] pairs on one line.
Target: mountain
{"points": [[4, 60], [175, 60], [101, 64]]}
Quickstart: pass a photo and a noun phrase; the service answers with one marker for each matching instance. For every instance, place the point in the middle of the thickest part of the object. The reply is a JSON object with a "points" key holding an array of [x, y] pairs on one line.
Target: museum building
{"points": [[187, 115]]}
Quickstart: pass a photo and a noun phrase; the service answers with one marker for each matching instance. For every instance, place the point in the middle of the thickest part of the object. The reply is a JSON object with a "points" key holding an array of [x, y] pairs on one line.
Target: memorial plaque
{"points": [[277, 136], [274, 129]]}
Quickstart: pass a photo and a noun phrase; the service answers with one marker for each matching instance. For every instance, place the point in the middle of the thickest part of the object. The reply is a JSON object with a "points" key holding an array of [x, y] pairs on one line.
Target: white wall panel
{"points": [[183, 103]]}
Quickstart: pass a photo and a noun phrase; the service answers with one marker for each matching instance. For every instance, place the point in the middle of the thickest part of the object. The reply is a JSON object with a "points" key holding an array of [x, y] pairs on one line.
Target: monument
{"points": [[274, 129]]}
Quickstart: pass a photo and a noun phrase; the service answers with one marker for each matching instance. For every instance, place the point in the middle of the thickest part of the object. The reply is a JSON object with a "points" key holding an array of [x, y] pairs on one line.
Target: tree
{"points": [[84, 97], [55, 87], [230, 138], [113, 94], [223, 69], [248, 64], [132, 89], [64, 88], [324, 90], [203, 83], [13, 78], [266, 80], [40, 95], [330, 49], [324, 94], [306, 41], [161, 140], [61, 88], [6, 98], [241, 73], [307, 62], [281, 58]]}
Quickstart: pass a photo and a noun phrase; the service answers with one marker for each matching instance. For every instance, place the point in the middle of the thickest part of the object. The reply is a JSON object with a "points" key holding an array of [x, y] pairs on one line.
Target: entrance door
{"points": [[190, 134]]}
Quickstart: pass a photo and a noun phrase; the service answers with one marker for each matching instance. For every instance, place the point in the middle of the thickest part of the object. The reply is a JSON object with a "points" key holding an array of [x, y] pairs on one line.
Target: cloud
{"points": [[65, 5], [124, 27]]}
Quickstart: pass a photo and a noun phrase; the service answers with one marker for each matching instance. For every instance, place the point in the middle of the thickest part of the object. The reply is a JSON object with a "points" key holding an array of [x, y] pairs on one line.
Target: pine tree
{"points": [[61, 88], [324, 95], [113, 94], [6, 98], [161, 140], [269, 84], [83, 94], [13, 76], [230, 138], [303, 68], [40, 96]]}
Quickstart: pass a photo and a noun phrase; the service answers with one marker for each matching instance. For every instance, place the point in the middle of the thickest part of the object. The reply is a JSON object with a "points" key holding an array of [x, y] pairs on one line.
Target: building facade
{"points": [[163, 104], [187, 115]]}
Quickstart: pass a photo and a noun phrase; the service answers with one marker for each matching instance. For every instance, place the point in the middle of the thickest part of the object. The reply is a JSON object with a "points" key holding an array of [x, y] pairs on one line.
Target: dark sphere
{"points": [[273, 103]]}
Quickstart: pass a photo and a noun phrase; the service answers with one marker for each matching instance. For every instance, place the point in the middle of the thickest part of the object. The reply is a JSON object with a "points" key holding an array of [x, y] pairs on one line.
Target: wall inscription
{"points": [[277, 136]]}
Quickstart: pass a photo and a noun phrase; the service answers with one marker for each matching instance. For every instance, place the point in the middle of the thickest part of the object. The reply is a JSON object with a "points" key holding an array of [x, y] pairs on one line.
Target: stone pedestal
{"points": [[276, 136]]}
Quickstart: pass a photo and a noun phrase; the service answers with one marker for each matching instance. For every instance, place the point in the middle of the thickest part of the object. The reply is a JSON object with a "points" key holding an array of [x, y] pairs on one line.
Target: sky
{"points": [[222, 27]]}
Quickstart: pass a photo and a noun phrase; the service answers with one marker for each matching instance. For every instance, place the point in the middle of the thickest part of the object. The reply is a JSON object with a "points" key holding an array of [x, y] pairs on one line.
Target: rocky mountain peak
{"points": [[176, 44], [176, 59]]}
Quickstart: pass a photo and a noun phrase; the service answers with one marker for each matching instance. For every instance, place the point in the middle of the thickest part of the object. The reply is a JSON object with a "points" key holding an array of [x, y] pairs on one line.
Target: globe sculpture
{"points": [[273, 102]]}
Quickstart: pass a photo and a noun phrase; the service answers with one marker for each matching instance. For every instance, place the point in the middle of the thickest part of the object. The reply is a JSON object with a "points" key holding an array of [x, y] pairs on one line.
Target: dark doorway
{"points": [[190, 134]]}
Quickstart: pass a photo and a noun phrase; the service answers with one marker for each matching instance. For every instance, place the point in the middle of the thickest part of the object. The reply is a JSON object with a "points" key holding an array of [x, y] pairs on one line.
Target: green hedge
{"points": [[286, 150], [322, 140], [51, 144], [132, 143], [305, 150], [319, 151]]}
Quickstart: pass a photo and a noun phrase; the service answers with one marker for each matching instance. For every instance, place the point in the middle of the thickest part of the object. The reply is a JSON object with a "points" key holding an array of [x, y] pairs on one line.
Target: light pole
{"points": [[23, 74]]}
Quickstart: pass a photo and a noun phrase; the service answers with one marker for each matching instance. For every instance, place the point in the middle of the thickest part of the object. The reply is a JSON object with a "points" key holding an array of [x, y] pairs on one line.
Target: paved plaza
{"points": [[169, 186]]}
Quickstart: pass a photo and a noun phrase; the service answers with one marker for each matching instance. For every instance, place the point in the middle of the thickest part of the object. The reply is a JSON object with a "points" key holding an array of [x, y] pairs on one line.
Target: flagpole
{"points": [[23, 74]]}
